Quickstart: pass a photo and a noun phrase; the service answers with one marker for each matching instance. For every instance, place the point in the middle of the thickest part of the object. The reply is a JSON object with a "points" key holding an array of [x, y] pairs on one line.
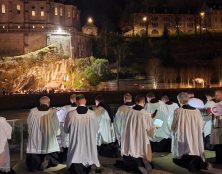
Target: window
{"points": [[69, 14], [61, 12], [3, 8], [42, 13], [33, 12], [18, 8], [56, 11]]}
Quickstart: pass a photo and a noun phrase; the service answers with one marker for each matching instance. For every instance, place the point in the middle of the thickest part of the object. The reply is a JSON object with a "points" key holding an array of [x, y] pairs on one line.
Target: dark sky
{"points": [[111, 11]]}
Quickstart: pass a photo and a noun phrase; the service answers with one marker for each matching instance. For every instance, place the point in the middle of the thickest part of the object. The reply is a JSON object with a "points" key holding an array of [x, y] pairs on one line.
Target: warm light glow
{"points": [[144, 19], [3, 26], [202, 14], [59, 31], [18, 26], [90, 20], [33, 26]]}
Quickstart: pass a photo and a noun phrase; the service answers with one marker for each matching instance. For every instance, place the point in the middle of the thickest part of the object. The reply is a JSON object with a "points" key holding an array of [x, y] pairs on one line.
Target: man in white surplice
{"points": [[207, 117], [127, 99], [161, 141], [5, 135], [63, 138], [135, 144], [187, 141], [82, 126], [105, 117], [171, 107], [43, 127]]}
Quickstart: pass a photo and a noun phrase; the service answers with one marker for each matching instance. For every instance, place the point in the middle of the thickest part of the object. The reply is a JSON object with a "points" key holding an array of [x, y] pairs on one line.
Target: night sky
{"points": [[110, 12]]}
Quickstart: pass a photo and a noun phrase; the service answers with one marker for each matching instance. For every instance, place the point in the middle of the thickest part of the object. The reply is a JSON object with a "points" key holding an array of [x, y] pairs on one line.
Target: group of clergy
{"points": [[76, 134]]}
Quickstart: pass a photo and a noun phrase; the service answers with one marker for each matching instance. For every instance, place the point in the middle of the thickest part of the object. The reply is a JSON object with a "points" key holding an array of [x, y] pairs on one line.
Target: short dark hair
{"points": [[165, 97], [210, 93], [150, 95], [99, 98], [139, 98], [80, 96]]}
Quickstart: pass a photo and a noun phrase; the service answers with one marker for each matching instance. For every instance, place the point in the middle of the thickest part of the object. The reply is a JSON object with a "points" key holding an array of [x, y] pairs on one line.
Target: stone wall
{"points": [[11, 44]]}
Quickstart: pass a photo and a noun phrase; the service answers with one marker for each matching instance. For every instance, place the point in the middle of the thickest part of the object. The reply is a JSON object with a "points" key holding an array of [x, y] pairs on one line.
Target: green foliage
{"points": [[98, 71]]}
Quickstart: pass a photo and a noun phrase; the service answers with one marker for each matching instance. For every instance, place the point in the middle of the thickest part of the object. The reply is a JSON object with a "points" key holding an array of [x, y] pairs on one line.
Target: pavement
{"points": [[162, 165]]}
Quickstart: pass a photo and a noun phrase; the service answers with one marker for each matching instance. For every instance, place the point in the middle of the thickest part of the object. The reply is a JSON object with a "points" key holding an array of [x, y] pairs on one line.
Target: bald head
{"points": [[183, 98], [44, 100], [218, 95]]}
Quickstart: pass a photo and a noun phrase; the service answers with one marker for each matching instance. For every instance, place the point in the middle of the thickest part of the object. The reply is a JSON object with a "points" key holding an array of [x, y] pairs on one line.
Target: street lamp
{"points": [[202, 15], [90, 20], [144, 19]]}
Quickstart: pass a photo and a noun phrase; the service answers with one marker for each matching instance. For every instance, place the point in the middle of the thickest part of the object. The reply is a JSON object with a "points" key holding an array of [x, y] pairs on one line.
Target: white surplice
{"points": [[43, 127], [5, 135], [216, 131], [162, 114], [82, 140], [63, 138], [118, 121], [106, 133], [137, 125], [187, 129], [171, 108], [208, 119]]}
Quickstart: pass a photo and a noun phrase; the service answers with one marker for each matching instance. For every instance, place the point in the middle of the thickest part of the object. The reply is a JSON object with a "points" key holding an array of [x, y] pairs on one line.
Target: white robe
{"points": [[118, 121], [187, 130], [82, 140], [134, 136], [162, 114], [43, 127], [216, 134], [171, 108], [208, 119], [106, 133], [63, 138], [5, 134]]}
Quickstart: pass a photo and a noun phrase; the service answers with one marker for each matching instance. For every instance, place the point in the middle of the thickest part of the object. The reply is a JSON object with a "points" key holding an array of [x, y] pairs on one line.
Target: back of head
{"points": [[183, 98], [150, 95], [140, 100], [165, 98], [127, 97], [80, 99], [218, 95], [190, 94], [99, 98], [44, 100], [72, 98]]}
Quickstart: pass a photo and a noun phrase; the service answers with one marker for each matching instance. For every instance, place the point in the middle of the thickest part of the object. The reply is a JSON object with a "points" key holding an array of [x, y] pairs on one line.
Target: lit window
{"points": [[3, 8], [33, 26], [61, 11], [33, 12], [42, 26], [42, 13], [18, 8], [69, 14], [19, 26], [3, 26], [56, 11]]}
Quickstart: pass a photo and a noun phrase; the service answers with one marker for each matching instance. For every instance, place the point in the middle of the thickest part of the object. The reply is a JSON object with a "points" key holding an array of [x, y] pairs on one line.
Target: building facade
{"points": [[208, 18], [28, 25]]}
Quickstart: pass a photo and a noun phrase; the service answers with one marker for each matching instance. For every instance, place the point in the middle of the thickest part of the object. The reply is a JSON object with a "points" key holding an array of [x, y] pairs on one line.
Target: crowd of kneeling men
{"points": [[75, 134]]}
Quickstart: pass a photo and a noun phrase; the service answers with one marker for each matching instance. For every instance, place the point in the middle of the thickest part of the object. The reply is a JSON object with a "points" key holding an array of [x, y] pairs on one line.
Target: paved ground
{"points": [[162, 161], [162, 165]]}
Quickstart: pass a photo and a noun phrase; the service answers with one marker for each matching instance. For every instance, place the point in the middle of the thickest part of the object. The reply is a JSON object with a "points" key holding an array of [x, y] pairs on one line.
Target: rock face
{"points": [[32, 72]]}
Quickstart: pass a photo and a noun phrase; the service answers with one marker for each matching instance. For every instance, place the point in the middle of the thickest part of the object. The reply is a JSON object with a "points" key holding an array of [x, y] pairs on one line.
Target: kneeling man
{"points": [[82, 126], [187, 141], [43, 127]]}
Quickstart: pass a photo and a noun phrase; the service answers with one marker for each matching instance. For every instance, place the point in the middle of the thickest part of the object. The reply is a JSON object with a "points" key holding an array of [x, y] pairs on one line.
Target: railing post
{"points": [[22, 142]]}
